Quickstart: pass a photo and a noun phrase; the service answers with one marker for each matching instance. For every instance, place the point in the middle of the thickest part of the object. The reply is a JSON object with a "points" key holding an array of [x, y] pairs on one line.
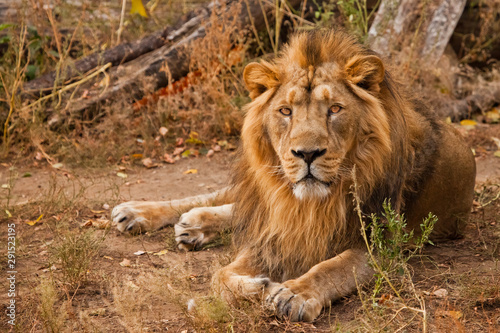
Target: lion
{"points": [[325, 106]]}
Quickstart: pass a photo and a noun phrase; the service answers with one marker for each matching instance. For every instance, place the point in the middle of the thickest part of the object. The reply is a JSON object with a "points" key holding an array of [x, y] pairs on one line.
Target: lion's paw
{"points": [[294, 306], [194, 229], [128, 218]]}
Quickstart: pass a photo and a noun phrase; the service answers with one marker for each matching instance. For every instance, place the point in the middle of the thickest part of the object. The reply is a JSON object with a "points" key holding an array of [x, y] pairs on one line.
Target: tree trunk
{"points": [[424, 27]]}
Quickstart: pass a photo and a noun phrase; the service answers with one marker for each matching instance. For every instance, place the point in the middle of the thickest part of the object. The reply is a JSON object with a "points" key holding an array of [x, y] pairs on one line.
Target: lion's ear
{"points": [[366, 72], [259, 78]]}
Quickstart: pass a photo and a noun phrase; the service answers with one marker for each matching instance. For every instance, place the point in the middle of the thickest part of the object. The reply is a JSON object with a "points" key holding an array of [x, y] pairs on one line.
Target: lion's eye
{"points": [[286, 112], [334, 109]]}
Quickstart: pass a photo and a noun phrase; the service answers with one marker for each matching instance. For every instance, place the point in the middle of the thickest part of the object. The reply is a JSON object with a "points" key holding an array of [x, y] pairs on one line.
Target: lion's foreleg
{"points": [[303, 298], [240, 280], [201, 225], [141, 216]]}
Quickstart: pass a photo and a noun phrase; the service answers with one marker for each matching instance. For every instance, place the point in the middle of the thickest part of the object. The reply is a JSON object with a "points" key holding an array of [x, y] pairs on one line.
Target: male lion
{"points": [[322, 108]]}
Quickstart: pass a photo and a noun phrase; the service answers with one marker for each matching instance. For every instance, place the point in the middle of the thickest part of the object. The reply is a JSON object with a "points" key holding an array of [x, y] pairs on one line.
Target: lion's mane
{"points": [[288, 236]]}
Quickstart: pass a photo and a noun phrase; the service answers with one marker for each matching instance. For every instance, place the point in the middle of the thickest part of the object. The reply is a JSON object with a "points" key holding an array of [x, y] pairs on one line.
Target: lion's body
{"points": [[322, 112], [418, 163]]}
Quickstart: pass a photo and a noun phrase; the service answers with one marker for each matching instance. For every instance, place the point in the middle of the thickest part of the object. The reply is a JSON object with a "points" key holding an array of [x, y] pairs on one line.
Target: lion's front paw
{"points": [[195, 229], [128, 218], [291, 305]]}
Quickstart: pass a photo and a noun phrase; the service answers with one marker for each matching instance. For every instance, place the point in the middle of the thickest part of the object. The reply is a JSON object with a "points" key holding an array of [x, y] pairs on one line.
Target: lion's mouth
{"points": [[311, 179]]}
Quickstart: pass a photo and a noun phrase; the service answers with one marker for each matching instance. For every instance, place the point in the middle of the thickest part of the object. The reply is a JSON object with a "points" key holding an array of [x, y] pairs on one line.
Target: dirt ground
{"points": [[120, 295]]}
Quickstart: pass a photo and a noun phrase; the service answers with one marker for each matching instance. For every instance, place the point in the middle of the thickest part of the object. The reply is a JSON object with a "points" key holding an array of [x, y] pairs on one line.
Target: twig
{"points": [[75, 84], [252, 23], [122, 18], [267, 23]]}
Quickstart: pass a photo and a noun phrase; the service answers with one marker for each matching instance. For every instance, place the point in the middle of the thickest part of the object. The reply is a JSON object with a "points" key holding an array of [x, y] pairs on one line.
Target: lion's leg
{"points": [[240, 279], [142, 216], [201, 225], [303, 298]]}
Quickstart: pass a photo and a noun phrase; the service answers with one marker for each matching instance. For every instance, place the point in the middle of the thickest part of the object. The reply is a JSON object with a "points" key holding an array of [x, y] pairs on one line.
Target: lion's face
{"points": [[312, 122], [320, 113]]}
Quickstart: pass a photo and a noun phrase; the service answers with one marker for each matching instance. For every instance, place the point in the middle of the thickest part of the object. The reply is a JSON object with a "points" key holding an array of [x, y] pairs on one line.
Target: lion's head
{"points": [[321, 108]]}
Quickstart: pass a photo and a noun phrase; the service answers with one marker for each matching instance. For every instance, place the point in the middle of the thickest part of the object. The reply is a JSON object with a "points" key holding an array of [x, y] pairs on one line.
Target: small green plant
{"points": [[393, 244], [394, 300], [358, 15], [324, 14], [75, 253]]}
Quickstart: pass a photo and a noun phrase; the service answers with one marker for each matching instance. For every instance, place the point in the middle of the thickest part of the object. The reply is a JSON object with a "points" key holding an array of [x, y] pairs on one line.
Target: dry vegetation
{"points": [[74, 278]]}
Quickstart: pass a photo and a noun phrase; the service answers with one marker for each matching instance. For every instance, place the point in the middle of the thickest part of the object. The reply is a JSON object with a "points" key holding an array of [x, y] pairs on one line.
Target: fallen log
{"points": [[128, 78], [481, 100], [117, 55]]}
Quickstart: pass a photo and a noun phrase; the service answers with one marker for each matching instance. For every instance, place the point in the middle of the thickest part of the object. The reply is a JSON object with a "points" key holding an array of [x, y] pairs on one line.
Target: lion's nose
{"points": [[308, 156]]}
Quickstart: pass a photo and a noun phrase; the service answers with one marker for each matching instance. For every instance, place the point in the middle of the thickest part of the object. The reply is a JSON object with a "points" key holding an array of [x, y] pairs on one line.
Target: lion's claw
{"points": [[190, 231], [128, 219], [295, 307]]}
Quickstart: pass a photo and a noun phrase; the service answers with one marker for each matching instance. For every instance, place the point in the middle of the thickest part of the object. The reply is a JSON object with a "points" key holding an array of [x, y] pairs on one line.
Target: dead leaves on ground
{"points": [[183, 148]]}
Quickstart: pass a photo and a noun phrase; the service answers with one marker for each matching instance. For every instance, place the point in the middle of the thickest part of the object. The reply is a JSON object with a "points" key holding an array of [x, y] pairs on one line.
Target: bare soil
{"points": [[467, 268]]}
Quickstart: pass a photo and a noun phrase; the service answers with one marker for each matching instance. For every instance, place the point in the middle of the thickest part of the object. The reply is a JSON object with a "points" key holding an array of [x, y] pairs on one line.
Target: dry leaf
{"points": [[104, 82], [168, 159], [125, 263], [190, 171], [497, 153], [138, 8], [97, 211], [217, 148], [210, 153], [178, 150], [468, 123], [87, 224], [51, 268], [440, 292], [163, 131], [160, 253], [137, 156], [36, 221], [132, 285], [122, 175], [39, 156], [191, 304], [148, 163], [57, 165], [102, 223], [450, 313], [493, 116], [496, 141], [139, 253], [108, 257], [179, 141], [99, 224]]}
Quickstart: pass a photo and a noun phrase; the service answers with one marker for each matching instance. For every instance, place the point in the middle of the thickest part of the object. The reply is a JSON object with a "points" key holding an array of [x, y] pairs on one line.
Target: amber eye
{"points": [[334, 109], [286, 112]]}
